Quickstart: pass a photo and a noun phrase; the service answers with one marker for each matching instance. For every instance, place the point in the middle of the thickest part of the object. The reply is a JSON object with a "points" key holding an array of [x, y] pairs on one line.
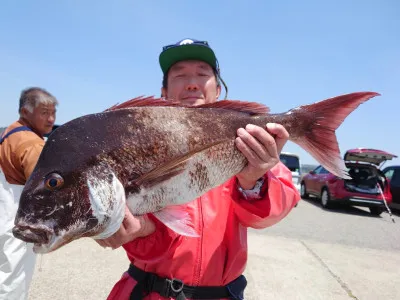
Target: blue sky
{"points": [[92, 54]]}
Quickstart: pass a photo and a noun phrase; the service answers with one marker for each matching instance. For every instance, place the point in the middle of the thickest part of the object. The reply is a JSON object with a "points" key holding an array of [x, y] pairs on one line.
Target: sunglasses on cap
{"points": [[187, 42]]}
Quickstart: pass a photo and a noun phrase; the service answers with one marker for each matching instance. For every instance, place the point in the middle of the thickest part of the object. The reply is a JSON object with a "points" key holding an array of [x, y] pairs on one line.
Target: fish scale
{"points": [[204, 171]]}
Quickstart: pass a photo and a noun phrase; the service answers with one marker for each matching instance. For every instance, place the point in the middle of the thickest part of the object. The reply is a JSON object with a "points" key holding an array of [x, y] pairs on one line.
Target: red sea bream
{"points": [[153, 155]]}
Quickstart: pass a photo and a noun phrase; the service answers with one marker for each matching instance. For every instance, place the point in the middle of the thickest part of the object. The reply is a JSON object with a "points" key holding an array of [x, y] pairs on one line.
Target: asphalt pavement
{"points": [[352, 226], [311, 254]]}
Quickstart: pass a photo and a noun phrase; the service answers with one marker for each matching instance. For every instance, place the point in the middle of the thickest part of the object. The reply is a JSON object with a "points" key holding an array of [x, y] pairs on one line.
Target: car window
{"points": [[291, 162], [389, 174], [395, 179], [318, 170], [324, 171]]}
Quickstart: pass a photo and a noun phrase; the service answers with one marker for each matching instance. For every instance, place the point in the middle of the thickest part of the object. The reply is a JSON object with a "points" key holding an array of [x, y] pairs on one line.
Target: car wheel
{"points": [[325, 198], [303, 191], [376, 211]]}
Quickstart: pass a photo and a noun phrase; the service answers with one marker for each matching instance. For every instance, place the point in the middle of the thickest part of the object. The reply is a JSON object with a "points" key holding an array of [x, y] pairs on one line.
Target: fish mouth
{"points": [[55, 243], [44, 238], [44, 241], [41, 236], [33, 234]]}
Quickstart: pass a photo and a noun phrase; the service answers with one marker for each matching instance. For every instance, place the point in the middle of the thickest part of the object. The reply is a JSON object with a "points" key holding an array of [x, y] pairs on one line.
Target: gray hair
{"points": [[32, 97]]}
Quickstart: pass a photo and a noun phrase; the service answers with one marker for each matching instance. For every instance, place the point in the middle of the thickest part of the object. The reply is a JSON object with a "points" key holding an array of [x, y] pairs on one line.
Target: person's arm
{"points": [[144, 238], [270, 203], [156, 246], [275, 194]]}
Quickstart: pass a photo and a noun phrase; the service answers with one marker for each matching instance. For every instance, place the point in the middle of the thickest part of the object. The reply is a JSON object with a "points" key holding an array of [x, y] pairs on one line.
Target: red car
{"points": [[367, 187], [392, 173]]}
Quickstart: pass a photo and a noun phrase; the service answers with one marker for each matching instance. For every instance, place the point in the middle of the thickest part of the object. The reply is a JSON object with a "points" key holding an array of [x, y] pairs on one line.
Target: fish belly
{"points": [[202, 172]]}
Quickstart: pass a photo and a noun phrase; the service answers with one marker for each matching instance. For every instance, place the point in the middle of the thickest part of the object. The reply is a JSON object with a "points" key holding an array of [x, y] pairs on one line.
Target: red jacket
{"points": [[221, 217]]}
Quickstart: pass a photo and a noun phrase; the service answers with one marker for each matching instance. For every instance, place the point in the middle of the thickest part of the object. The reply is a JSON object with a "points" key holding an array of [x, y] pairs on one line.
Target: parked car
{"points": [[392, 173], [367, 187], [306, 168], [292, 162]]}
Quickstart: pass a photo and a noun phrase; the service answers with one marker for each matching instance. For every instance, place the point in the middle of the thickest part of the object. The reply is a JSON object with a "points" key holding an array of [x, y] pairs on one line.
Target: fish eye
{"points": [[54, 181]]}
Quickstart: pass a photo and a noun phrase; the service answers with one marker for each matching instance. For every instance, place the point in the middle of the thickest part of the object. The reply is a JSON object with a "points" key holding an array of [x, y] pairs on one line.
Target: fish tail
{"points": [[322, 119]]}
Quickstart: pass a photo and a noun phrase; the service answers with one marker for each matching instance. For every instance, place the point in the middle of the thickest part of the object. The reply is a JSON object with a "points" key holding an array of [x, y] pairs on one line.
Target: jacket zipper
{"points": [[196, 278]]}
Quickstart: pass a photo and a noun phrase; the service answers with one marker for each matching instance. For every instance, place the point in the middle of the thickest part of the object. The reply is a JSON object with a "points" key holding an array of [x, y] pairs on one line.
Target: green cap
{"points": [[187, 49]]}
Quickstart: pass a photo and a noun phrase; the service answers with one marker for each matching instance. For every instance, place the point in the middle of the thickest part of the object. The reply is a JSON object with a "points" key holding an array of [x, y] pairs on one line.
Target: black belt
{"points": [[175, 288]]}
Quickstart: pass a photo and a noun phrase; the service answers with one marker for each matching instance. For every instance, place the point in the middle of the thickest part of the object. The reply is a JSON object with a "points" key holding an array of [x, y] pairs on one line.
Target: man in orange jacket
{"points": [[165, 265], [20, 147]]}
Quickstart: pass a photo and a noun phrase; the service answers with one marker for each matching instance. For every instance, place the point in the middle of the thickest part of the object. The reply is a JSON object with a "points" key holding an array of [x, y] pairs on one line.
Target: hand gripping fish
{"points": [[153, 155]]}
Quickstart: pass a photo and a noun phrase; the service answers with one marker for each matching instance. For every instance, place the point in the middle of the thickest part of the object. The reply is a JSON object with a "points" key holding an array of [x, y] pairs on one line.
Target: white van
{"points": [[292, 162]]}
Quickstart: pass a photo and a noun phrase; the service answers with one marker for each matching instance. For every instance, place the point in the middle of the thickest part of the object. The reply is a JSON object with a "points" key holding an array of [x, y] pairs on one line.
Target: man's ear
{"points": [[24, 112], [163, 92], [218, 91]]}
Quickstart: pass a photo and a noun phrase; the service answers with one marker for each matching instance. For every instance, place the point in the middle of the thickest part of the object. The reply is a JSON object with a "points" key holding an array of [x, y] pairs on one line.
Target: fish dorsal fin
{"points": [[143, 101], [236, 105]]}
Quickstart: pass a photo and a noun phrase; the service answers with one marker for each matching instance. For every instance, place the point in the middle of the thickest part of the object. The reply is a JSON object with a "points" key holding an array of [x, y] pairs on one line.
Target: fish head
{"points": [[67, 198]]}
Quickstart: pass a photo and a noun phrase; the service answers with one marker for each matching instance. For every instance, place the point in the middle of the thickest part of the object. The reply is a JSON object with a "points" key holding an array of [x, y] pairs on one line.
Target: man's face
{"points": [[192, 82], [42, 118]]}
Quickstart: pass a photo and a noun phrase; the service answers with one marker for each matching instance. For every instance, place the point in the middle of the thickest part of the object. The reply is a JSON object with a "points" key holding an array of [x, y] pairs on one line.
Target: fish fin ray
{"points": [[159, 175], [324, 118], [143, 101], [241, 106], [170, 169], [177, 219]]}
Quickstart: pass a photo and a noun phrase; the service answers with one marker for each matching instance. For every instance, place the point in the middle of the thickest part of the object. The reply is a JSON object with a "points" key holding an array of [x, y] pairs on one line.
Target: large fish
{"points": [[153, 155]]}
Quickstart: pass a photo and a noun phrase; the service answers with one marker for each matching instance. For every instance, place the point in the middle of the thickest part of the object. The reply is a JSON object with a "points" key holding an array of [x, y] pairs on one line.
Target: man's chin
{"points": [[193, 101], [48, 130]]}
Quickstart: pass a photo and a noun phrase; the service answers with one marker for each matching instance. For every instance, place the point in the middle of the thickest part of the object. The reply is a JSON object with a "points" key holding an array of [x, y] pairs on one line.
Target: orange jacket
{"points": [[221, 217], [19, 153]]}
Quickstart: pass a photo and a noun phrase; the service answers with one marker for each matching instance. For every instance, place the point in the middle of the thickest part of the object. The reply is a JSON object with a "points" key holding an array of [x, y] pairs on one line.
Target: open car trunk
{"points": [[366, 179]]}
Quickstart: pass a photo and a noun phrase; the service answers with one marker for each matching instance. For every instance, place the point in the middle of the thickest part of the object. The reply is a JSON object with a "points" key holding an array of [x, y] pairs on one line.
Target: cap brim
{"points": [[186, 52]]}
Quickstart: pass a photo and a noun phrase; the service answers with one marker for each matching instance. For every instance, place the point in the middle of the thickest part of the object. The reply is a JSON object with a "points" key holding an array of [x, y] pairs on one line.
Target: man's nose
{"points": [[191, 83], [51, 118], [192, 87]]}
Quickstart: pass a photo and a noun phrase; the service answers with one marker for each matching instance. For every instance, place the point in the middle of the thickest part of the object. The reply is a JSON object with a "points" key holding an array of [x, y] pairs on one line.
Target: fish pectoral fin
{"points": [[160, 174], [177, 219], [170, 169]]}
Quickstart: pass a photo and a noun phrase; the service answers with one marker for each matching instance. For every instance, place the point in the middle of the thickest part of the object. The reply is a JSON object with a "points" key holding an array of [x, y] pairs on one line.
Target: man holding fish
{"points": [[176, 181], [210, 266]]}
